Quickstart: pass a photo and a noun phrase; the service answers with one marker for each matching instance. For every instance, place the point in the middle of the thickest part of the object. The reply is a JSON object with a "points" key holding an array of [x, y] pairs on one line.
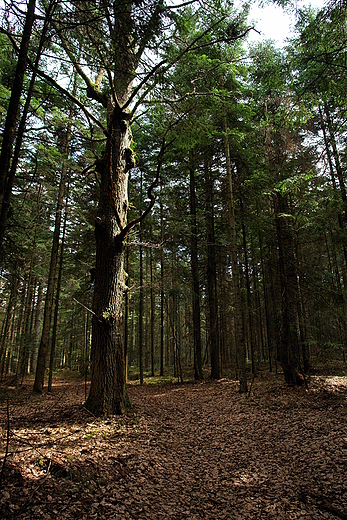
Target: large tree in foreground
{"points": [[117, 32], [118, 41]]}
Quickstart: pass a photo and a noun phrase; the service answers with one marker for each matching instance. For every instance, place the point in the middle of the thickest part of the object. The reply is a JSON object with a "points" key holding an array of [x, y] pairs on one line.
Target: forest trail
{"points": [[195, 451]]}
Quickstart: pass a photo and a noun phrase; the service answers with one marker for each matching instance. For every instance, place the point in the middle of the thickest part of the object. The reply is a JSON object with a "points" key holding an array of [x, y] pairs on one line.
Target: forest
{"points": [[173, 253]]}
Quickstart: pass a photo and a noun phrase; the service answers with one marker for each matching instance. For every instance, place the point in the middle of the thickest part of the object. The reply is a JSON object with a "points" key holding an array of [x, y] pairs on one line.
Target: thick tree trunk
{"points": [[107, 394], [198, 375]]}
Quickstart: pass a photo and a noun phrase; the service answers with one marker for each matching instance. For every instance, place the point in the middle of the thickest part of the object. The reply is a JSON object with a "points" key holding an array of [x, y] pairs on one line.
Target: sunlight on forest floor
{"points": [[197, 450]]}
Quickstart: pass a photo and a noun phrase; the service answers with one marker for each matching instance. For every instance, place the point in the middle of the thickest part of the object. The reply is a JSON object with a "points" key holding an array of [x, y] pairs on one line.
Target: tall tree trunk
{"points": [[337, 160], [141, 297], [126, 316], [198, 375], [152, 298], [239, 327], [37, 327], [6, 171], [248, 289], [266, 303], [57, 297], [47, 317], [107, 394], [289, 351], [5, 333], [333, 153], [162, 293], [211, 276], [25, 340], [16, 92]]}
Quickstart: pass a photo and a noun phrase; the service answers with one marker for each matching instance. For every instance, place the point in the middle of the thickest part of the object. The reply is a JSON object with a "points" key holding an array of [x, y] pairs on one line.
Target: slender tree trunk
{"points": [[198, 375], [57, 298], [16, 92], [141, 296], [37, 327], [239, 329], [6, 328], [47, 318], [330, 154], [248, 289], [211, 276], [23, 360], [266, 303], [10, 172], [126, 316], [162, 293], [337, 160], [152, 297]]}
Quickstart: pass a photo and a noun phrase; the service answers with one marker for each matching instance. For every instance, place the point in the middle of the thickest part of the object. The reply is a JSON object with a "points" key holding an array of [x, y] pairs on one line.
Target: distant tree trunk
{"points": [[211, 276], [47, 319], [37, 327], [259, 328], [141, 306], [239, 325], [289, 351], [152, 297], [337, 160], [25, 342], [248, 288], [329, 143], [162, 293], [126, 316], [5, 333], [198, 375], [57, 298], [266, 303]]}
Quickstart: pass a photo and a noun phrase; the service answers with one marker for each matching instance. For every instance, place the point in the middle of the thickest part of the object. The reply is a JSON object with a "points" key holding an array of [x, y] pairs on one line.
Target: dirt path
{"points": [[188, 451]]}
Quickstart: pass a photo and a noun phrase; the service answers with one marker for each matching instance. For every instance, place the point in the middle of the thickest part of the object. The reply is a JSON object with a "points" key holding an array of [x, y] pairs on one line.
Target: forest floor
{"points": [[195, 451]]}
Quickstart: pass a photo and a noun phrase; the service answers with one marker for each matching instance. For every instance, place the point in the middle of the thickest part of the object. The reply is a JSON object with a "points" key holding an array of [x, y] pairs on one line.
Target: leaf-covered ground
{"points": [[186, 451]]}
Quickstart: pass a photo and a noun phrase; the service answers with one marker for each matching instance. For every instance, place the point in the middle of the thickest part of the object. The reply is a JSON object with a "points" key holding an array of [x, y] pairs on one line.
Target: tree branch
{"points": [[92, 92], [124, 232], [56, 85]]}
